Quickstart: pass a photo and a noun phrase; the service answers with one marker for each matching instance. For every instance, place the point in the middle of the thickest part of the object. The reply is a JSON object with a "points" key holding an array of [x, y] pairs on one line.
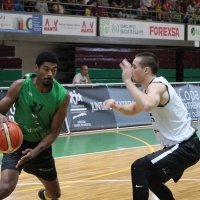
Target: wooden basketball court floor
{"points": [[96, 166]]}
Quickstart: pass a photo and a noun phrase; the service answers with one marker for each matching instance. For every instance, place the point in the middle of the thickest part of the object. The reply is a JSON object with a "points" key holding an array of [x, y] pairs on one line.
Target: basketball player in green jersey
{"points": [[41, 105]]}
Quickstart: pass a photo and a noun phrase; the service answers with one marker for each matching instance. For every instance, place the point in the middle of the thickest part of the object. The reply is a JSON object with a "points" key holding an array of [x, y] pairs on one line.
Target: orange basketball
{"points": [[10, 138]]}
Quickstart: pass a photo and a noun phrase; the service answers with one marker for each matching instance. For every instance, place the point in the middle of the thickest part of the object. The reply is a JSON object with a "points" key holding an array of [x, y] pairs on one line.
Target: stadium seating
{"points": [[11, 67], [103, 63]]}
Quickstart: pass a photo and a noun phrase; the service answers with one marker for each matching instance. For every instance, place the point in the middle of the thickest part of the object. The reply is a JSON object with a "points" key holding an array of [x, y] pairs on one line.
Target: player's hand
{"points": [[28, 155], [109, 103], [127, 70]]}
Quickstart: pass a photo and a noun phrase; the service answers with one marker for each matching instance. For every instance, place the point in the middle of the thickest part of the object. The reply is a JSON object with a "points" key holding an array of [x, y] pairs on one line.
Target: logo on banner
{"points": [[130, 29], [126, 29], [3, 21], [96, 106], [78, 110], [195, 31], [51, 25], [115, 28], [75, 98], [104, 26], [191, 101], [2, 17], [11, 112], [87, 27], [164, 31]]}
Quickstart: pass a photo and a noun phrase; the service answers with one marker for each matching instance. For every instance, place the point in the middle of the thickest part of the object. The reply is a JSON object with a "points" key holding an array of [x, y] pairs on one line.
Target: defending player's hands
{"points": [[109, 103], [29, 154], [127, 70]]}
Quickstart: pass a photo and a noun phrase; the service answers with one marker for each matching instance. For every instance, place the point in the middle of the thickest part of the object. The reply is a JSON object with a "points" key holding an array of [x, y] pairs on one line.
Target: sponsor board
{"points": [[193, 32], [20, 23], [86, 111], [62, 25], [135, 29]]}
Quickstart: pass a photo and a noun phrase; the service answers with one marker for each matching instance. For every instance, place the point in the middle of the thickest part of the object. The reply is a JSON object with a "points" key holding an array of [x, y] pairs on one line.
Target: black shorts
{"points": [[171, 162], [42, 166]]}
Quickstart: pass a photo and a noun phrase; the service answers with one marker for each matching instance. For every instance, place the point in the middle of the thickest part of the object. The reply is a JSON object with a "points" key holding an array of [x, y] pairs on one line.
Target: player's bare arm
{"points": [[155, 95], [142, 101], [158, 93], [10, 98], [128, 109], [146, 102], [56, 126]]}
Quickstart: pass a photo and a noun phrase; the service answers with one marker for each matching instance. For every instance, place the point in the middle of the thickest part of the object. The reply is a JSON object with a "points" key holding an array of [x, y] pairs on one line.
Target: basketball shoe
{"points": [[41, 194]]}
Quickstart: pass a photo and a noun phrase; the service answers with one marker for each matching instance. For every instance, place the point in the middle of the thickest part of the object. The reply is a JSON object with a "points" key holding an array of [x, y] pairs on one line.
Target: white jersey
{"points": [[171, 122], [78, 78]]}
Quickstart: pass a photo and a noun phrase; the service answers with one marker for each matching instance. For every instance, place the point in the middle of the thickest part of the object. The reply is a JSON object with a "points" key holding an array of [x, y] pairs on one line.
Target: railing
{"points": [[61, 8]]}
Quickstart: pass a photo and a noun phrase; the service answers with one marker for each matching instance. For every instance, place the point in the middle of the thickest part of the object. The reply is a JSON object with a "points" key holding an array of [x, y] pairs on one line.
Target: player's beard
{"points": [[47, 82]]}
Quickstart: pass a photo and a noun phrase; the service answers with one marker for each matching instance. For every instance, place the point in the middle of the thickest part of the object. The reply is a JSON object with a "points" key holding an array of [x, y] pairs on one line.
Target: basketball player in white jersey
{"points": [[171, 124]]}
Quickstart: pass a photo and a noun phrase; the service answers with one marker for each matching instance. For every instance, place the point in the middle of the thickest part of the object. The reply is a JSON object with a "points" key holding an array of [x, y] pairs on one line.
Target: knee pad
{"points": [[136, 170], [137, 165], [142, 165]]}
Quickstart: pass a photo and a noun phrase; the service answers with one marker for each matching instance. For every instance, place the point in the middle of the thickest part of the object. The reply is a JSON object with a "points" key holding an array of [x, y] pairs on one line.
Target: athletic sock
{"points": [[47, 198]]}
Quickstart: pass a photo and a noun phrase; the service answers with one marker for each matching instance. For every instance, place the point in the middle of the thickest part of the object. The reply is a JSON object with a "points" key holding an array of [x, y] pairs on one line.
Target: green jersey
{"points": [[35, 110]]}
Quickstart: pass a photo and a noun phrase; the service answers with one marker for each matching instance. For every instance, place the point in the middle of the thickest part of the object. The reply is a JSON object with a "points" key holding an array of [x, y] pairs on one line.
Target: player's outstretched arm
{"points": [[128, 109]]}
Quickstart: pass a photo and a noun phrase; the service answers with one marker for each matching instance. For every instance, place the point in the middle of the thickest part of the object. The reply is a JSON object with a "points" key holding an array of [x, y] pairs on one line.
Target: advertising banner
{"points": [[194, 95], [136, 29], [86, 112], [11, 111], [190, 96], [20, 23], [193, 32], [122, 96], [65, 25]]}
